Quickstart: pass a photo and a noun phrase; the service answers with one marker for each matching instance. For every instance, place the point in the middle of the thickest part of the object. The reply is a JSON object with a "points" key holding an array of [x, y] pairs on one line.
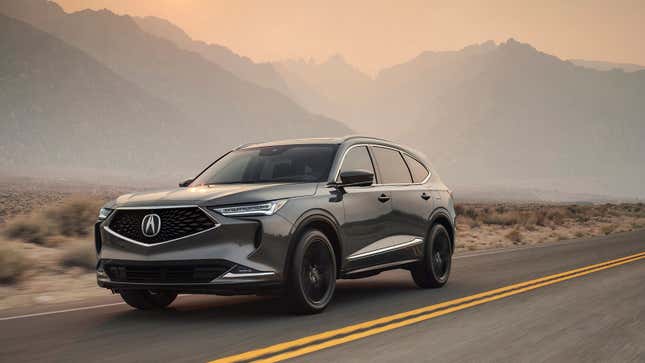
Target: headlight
{"points": [[104, 213], [256, 209]]}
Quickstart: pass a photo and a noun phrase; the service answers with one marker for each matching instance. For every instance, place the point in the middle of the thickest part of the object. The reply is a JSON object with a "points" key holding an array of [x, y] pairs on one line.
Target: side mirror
{"points": [[356, 178], [185, 183]]}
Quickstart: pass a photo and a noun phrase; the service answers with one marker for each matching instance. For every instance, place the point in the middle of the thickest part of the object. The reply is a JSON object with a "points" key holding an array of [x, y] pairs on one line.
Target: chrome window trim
{"points": [[413, 242], [342, 160], [217, 225]]}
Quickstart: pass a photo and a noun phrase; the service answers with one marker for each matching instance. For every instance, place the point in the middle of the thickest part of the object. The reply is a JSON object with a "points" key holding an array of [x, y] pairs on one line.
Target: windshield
{"points": [[271, 164]]}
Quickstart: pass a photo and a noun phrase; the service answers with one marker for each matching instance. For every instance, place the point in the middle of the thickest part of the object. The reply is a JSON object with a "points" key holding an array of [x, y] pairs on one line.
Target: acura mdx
{"points": [[288, 218]]}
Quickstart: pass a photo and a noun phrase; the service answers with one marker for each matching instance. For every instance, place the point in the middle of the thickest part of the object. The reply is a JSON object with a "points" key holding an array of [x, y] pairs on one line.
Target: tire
{"points": [[148, 300], [312, 278], [434, 270]]}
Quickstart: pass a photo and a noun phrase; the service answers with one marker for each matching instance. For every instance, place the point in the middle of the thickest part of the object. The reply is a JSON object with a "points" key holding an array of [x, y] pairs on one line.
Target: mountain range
{"points": [[141, 89], [163, 104], [502, 114], [607, 66]]}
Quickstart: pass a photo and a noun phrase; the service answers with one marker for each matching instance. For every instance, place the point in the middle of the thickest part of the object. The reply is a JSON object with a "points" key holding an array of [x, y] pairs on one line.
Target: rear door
{"points": [[412, 204], [406, 222]]}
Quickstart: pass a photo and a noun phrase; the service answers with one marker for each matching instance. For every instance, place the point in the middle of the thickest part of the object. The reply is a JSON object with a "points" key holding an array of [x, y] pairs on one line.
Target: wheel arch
{"points": [[442, 216], [315, 219]]}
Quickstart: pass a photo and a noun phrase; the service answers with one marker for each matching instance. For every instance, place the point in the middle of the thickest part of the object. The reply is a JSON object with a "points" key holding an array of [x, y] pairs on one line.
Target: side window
{"points": [[358, 158], [419, 172], [392, 167]]}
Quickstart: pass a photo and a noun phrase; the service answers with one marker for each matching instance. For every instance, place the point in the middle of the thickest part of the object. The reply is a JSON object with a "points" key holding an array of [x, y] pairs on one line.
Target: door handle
{"points": [[425, 196], [383, 198]]}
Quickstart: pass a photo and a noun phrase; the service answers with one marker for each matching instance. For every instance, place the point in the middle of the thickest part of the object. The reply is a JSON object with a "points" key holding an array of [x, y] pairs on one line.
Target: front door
{"points": [[367, 209]]}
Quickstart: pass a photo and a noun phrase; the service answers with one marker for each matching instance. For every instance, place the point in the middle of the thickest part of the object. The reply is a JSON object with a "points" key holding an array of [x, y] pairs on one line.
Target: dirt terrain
{"points": [[47, 253]]}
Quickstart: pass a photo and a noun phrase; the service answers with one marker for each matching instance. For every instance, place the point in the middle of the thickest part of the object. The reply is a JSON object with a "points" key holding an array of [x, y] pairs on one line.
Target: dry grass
{"points": [[515, 236], [13, 265], [608, 229], [79, 254], [483, 226], [30, 228], [71, 218], [55, 230]]}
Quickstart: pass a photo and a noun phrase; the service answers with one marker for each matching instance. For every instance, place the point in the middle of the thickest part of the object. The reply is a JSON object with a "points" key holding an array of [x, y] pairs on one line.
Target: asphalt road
{"points": [[595, 314]]}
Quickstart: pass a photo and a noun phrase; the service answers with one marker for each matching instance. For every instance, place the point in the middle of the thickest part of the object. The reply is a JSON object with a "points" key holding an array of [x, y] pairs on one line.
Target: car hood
{"points": [[221, 194]]}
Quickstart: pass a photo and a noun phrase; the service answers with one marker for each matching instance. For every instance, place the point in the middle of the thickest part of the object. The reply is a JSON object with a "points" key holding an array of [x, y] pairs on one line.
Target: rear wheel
{"points": [[434, 270], [147, 299], [312, 280]]}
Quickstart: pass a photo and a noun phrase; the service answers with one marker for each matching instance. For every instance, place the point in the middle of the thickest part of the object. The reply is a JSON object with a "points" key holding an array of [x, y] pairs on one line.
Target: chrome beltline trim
{"points": [[410, 243]]}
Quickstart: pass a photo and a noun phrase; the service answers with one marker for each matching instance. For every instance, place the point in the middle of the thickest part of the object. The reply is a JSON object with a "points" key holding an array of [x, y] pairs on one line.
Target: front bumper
{"points": [[247, 254]]}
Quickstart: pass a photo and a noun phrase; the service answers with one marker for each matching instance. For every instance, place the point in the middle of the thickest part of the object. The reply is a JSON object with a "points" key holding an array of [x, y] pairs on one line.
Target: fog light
{"points": [[100, 273]]}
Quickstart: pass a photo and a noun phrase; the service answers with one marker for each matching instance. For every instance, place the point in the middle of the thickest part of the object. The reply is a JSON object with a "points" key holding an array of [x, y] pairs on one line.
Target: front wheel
{"points": [[147, 299], [434, 270], [312, 278]]}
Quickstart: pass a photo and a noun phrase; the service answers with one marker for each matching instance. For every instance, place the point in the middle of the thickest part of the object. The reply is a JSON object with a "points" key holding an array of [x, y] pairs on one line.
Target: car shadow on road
{"points": [[350, 294]]}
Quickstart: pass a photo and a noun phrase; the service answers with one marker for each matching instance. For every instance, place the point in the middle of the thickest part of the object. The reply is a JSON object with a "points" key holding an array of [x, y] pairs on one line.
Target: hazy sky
{"points": [[373, 33]]}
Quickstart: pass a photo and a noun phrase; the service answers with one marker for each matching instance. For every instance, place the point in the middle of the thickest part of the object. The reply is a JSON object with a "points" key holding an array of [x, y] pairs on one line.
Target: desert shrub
{"points": [[74, 217], [56, 240], [502, 219], [556, 217], [514, 236], [608, 229], [562, 237], [467, 211], [579, 234], [13, 265], [79, 254], [540, 218], [34, 228], [582, 218]]}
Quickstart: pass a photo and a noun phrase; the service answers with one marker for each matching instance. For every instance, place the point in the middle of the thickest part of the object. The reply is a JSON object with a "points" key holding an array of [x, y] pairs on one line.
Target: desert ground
{"points": [[47, 253]]}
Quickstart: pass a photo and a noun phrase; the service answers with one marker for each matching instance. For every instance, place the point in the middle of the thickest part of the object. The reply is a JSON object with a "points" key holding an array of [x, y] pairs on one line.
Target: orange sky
{"points": [[372, 33]]}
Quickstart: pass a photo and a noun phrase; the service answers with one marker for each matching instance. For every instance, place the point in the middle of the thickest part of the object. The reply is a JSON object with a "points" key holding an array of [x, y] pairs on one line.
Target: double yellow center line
{"points": [[316, 342]]}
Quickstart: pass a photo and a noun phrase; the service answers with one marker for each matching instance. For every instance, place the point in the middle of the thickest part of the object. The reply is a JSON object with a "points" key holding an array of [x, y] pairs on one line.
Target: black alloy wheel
{"points": [[313, 274], [434, 270]]}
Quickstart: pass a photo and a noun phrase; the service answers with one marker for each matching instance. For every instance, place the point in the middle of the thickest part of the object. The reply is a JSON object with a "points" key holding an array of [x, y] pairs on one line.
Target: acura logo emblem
{"points": [[151, 225]]}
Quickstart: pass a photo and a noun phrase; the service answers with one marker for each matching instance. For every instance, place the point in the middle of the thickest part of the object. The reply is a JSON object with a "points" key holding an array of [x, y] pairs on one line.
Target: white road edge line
{"points": [[60, 311]]}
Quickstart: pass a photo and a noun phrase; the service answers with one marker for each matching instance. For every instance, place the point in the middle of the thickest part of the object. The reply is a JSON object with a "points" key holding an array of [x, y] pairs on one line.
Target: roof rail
{"points": [[241, 146], [365, 137]]}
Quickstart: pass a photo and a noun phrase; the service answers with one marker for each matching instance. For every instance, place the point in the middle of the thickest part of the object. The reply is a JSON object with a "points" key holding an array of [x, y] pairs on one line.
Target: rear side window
{"points": [[392, 167], [419, 172], [357, 158]]}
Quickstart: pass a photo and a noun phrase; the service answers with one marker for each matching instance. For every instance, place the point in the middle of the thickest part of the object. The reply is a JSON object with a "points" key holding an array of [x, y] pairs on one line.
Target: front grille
{"points": [[166, 273], [175, 223]]}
